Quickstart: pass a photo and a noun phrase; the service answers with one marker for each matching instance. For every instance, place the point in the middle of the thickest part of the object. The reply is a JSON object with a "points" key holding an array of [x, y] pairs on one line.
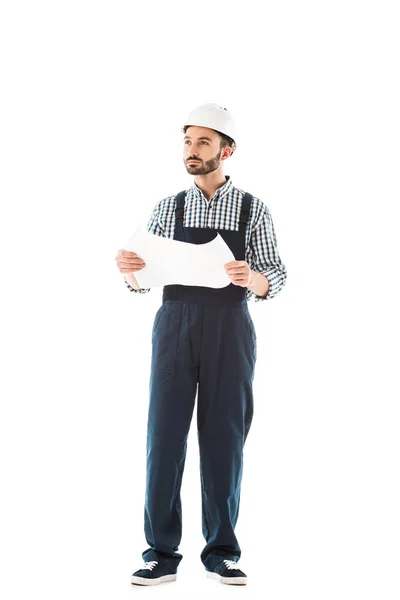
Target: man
{"points": [[204, 342]]}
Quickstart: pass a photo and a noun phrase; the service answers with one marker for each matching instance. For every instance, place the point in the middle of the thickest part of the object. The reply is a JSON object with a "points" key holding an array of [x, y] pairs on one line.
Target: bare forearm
{"points": [[258, 284], [131, 279]]}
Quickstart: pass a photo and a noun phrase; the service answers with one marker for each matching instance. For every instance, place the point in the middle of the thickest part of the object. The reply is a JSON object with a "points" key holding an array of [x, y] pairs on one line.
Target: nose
{"points": [[191, 152]]}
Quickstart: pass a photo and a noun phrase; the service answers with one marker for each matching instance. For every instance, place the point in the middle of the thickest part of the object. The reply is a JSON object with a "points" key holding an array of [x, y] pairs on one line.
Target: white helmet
{"points": [[213, 116]]}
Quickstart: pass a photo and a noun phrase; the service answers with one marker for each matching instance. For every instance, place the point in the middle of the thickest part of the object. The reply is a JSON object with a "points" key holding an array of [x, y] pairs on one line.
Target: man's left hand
{"points": [[239, 272]]}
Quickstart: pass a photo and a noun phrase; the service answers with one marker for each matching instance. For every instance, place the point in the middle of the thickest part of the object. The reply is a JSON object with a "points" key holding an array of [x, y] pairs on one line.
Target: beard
{"points": [[203, 168]]}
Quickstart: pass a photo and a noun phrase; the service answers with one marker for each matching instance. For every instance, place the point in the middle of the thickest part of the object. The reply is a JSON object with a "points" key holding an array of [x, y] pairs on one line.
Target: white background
{"points": [[93, 97]]}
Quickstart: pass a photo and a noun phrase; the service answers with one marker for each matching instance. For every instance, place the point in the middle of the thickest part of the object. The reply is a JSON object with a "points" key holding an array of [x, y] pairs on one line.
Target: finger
{"points": [[126, 253], [236, 271], [129, 258], [133, 262], [126, 262], [129, 267]]}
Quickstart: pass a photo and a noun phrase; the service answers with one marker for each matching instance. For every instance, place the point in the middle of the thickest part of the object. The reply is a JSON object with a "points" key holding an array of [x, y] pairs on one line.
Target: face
{"points": [[203, 145]]}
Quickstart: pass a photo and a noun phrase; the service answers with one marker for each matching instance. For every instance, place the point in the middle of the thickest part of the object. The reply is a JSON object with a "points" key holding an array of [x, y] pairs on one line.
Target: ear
{"points": [[227, 151]]}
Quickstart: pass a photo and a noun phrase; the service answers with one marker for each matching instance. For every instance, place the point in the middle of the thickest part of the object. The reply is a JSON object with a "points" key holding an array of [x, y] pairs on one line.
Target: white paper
{"points": [[171, 262]]}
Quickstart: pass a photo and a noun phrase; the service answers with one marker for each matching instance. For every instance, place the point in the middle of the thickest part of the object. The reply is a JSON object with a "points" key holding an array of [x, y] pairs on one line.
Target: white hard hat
{"points": [[213, 116]]}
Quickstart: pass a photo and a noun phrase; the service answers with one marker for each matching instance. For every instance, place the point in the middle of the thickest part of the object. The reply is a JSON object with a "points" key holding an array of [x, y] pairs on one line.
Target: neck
{"points": [[210, 183]]}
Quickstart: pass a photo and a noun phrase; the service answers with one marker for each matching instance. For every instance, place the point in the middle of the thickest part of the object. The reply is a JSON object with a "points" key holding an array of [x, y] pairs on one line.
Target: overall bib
{"points": [[204, 343]]}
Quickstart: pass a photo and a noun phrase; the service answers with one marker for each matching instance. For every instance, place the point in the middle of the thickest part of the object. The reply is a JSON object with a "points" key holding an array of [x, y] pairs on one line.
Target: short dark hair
{"points": [[224, 142]]}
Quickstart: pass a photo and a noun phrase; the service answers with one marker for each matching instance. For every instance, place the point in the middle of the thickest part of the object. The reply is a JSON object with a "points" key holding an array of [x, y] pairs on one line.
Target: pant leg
{"points": [[225, 412], [173, 387]]}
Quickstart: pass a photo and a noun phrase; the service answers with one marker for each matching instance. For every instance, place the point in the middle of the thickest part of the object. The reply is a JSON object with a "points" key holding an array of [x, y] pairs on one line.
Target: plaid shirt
{"points": [[223, 212]]}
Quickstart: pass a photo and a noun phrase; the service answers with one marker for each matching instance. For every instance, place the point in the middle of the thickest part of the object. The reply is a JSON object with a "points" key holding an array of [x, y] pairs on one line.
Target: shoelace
{"points": [[231, 564], [150, 565]]}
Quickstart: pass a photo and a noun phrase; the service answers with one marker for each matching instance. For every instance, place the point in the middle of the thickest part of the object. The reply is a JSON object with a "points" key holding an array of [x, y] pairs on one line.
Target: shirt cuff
{"points": [[139, 291], [276, 279]]}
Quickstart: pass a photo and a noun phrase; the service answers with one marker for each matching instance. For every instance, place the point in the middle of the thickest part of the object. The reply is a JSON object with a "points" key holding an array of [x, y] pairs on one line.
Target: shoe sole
{"points": [[228, 580], [144, 581]]}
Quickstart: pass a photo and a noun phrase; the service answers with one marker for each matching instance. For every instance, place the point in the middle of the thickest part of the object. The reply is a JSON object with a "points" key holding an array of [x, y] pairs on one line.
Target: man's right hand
{"points": [[129, 262]]}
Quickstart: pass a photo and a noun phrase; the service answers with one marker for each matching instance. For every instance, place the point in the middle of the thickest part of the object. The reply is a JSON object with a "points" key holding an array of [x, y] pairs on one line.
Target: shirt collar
{"points": [[219, 193]]}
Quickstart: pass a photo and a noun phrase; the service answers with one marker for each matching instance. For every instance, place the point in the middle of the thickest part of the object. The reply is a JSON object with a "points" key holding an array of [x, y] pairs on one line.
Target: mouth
{"points": [[193, 161]]}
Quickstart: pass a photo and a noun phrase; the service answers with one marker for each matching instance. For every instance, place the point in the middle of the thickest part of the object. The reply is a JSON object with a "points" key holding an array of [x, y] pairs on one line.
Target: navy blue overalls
{"points": [[203, 342]]}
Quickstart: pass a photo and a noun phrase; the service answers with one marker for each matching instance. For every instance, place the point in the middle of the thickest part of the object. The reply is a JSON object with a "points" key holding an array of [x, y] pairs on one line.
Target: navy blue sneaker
{"points": [[227, 572], [152, 573]]}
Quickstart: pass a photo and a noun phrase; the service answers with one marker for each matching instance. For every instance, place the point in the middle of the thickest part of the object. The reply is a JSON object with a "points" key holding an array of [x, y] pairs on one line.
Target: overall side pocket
{"points": [[156, 322], [250, 323]]}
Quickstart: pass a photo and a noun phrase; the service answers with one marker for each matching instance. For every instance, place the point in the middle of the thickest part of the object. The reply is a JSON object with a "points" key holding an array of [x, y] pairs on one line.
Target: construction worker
{"points": [[204, 342]]}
